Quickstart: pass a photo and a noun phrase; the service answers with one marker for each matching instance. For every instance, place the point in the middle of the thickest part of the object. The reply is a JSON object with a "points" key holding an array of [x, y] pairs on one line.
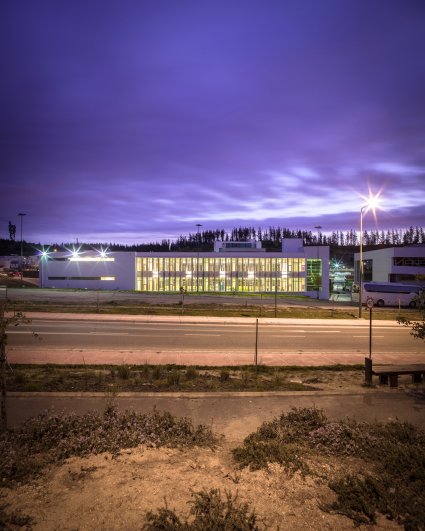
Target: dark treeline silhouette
{"points": [[270, 237]]}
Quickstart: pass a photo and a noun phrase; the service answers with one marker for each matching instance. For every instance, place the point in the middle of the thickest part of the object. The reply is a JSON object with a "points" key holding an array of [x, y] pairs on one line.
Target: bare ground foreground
{"points": [[113, 494], [105, 492]]}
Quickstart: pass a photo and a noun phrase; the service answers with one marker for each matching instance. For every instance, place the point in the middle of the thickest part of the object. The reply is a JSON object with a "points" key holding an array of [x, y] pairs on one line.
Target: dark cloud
{"points": [[136, 120]]}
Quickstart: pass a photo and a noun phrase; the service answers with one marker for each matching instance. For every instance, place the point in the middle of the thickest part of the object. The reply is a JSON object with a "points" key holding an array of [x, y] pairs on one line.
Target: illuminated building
{"points": [[232, 267]]}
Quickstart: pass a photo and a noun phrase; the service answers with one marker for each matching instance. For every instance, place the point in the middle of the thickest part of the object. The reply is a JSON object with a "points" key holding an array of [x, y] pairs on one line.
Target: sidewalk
{"points": [[208, 319], [234, 415]]}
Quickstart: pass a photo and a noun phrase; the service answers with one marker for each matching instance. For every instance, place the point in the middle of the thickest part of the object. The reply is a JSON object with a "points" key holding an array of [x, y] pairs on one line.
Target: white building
{"points": [[395, 264], [232, 267]]}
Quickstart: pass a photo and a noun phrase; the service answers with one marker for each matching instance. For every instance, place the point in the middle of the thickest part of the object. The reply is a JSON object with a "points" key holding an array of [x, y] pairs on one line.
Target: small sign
{"points": [[369, 303]]}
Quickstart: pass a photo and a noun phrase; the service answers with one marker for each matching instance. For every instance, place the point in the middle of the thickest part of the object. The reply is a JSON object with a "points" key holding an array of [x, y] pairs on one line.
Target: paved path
{"points": [[236, 415]]}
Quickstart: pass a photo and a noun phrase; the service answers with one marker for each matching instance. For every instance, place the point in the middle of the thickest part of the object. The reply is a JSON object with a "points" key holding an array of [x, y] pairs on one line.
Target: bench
{"points": [[390, 373]]}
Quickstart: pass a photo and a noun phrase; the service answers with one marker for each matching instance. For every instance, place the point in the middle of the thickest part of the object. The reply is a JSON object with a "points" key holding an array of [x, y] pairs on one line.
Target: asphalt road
{"points": [[182, 336], [206, 340]]}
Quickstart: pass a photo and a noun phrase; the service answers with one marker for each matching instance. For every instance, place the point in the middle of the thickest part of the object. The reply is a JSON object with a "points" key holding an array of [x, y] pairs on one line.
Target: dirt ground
{"points": [[106, 493]]}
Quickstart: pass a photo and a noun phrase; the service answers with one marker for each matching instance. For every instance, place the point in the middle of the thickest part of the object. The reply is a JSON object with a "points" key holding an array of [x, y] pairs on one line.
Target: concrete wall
{"points": [[383, 265], [62, 272]]}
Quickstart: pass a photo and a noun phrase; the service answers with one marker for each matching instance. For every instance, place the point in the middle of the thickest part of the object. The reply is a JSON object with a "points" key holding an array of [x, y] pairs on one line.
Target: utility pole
{"points": [[319, 228], [197, 258], [21, 215]]}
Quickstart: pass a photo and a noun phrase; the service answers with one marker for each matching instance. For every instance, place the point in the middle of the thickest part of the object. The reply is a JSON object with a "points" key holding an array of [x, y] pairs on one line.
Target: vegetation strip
{"points": [[224, 309], [160, 378]]}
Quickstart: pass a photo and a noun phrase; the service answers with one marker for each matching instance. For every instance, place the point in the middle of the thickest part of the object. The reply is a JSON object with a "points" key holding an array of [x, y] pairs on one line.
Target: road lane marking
{"points": [[204, 335], [373, 336], [29, 332], [287, 336], [107, 333]]}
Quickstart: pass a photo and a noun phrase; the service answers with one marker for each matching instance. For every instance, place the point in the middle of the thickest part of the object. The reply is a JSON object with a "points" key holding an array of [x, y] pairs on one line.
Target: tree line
{"points": [[270, 237]]}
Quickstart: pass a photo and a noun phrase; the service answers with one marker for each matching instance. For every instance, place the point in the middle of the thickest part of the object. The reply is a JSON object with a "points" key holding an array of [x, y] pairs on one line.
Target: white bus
{"points": [[388, 293]]}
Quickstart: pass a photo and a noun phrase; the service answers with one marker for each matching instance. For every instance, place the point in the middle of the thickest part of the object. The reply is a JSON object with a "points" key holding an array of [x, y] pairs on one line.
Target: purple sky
{"points": [[134, 120]]}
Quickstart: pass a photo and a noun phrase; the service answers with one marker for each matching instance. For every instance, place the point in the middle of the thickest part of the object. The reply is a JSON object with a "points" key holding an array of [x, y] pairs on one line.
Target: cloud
{"points": [[161, 116]]}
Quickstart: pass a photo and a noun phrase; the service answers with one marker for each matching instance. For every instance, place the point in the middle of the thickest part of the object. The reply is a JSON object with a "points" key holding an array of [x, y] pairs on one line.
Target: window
{"points": [[367, 270], [409, 261], [221, 274], [314, 274]]}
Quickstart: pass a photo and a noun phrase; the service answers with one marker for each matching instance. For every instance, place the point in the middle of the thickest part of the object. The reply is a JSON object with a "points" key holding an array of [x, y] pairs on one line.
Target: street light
{"points": [[372, 202], [197, 259], [319, 228], [21, 215]]}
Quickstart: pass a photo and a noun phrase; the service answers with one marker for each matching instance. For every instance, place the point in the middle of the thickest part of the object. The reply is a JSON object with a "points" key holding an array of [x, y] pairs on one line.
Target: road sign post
{"points": [[369, 304], [256, 342], [368, 361]]}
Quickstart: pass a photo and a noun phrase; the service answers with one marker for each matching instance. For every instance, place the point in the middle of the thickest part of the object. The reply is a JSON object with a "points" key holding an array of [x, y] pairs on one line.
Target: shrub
{"points": [[245, 378], [283, 441], [157, 372], [224, 375], [346, 437], [20, 377], [209, 511], [173, 378], [394, 452], [123, 372], [52, 438], [191, 373], [395, 483], [9, 521], [277, 379]]}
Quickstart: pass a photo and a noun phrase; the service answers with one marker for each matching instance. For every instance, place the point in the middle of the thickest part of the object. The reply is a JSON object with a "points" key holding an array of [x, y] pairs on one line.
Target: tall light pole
{"points": [[21, 215], [319, 228], [372, 202], [361, 261], [197, 258]]}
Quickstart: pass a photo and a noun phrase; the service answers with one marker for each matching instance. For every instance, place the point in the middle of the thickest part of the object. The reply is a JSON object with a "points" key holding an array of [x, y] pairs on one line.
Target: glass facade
{"points": [[222, 274], [314, 274]]}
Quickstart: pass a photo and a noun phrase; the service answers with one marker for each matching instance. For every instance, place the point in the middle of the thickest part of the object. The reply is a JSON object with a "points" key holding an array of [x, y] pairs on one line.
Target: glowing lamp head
{"points": [[372, 202]]}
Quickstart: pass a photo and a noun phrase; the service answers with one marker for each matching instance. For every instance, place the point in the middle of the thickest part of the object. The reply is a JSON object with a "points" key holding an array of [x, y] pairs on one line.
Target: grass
{"points": [[156, 378], [50, 438], [391, 480], [224, 309]]}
